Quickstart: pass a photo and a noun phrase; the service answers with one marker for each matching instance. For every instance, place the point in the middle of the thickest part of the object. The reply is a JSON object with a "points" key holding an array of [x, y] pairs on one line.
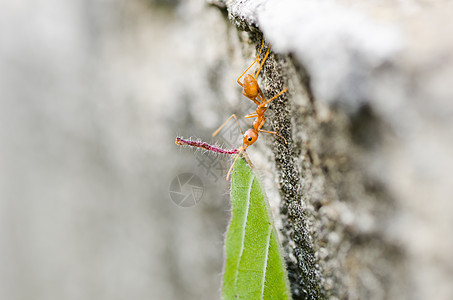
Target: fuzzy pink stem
{"points": [[180, 141]]}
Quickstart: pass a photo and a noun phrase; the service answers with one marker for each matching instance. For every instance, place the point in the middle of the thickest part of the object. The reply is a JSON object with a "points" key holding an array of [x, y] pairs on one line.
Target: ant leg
{"points": [[250, 116], [240, 83], [248, 159], [276, 96], [273, 132], [231, 168], [262, 63], [259, 54], [256, 60], [261, 96], [254, 100], [220, 128]]}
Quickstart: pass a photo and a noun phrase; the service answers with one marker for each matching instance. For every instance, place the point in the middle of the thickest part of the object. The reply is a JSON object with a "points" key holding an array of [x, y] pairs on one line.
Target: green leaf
{"points": [[254, 267]]}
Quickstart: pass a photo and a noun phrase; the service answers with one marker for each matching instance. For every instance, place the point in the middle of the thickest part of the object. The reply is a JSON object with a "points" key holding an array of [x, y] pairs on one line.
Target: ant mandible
{"points": [[252, 90]]}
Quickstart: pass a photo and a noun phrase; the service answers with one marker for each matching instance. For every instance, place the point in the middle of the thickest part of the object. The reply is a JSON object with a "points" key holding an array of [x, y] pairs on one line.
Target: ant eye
{"points": [[249, 139]]}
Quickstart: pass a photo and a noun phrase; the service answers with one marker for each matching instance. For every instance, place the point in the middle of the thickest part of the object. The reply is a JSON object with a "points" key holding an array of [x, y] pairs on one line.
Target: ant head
{"points": [[250, 136]]}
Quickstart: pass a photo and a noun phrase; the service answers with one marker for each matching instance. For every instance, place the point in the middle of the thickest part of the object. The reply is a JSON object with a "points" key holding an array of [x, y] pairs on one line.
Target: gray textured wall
{"points": [[93, 93]]}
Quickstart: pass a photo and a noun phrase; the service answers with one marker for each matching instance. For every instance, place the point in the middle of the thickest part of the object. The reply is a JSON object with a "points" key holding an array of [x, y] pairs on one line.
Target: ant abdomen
{"points": [[251, 88]]}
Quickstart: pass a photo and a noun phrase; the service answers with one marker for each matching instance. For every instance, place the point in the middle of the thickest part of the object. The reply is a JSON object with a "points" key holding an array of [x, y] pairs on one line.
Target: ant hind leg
{"points": [[256, 60], [262, 62]]}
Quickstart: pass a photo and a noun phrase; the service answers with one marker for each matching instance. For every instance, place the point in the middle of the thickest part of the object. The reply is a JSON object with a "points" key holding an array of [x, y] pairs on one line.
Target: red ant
{"points": [[252, 91]]}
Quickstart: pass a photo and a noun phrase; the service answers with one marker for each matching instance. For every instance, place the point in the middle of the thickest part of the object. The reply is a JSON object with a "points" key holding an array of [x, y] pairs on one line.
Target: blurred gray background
{"points": [[92, 95]]}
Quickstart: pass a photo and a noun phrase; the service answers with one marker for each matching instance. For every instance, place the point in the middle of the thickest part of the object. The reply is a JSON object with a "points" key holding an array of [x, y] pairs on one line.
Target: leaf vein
{"points": [[268, 243]]}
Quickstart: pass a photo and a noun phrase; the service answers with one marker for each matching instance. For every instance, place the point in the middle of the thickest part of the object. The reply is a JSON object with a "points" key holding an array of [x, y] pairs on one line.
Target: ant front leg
{"points": [[235, 159], [223, 125], [248, 160]]}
